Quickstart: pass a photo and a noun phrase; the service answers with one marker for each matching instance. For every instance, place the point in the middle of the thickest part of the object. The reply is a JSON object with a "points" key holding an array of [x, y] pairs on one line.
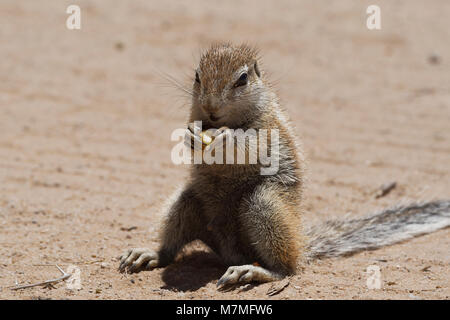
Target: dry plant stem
{"points": [[62, 278]]}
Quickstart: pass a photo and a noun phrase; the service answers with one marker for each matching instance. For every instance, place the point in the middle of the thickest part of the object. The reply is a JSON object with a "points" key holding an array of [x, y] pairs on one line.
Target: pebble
{"points": [[434, 59]]}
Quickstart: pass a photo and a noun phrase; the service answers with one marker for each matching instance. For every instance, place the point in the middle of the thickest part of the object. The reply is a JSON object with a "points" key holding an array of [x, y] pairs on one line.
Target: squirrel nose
{"points": [[211, 110], [213, 118]]}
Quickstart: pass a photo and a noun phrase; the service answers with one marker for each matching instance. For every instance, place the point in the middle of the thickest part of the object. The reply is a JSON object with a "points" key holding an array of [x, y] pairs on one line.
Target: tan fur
{"points": [[220, 62], [243, 216]]}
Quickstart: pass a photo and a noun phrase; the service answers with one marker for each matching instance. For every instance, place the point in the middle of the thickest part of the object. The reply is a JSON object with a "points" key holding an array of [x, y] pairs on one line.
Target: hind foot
{"points": [[245, 274]]}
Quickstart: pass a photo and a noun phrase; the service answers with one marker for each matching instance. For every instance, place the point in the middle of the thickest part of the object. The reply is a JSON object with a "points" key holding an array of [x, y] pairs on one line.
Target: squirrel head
{"points": [[228, 85]]}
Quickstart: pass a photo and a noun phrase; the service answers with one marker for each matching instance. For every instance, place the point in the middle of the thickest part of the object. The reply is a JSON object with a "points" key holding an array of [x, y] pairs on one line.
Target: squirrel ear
{"points": [[255, 66]]}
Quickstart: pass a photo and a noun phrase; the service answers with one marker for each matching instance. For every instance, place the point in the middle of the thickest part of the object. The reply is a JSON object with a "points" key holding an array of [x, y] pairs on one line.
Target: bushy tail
{"points": [[339, 238]]}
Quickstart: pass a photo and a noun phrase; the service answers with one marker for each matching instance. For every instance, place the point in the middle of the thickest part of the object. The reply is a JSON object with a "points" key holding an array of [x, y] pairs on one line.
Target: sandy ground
{"points": [[86, 119]]}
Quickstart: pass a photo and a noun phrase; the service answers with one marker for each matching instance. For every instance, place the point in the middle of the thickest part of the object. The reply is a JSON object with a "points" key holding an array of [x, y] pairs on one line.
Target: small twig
{"points": [[426, 269], [128, 229], [385, 189], [279, 286], [44, 283]]}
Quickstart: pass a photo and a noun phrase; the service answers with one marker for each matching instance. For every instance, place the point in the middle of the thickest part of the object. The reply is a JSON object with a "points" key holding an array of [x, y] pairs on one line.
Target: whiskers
{"points": [[173, 82]]}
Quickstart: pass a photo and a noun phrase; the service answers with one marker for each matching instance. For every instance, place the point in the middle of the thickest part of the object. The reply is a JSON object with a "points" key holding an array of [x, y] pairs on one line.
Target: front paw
{"points": [[138, 259], [193, 139], [219, 138]]}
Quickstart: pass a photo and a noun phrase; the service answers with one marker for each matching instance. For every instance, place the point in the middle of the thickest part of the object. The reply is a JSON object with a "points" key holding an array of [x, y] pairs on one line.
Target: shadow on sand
{"points": [[193, 271]]}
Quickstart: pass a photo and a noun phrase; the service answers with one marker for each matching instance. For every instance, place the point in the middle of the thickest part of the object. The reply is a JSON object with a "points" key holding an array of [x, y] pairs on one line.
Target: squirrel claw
{"points": [[138, 259]]}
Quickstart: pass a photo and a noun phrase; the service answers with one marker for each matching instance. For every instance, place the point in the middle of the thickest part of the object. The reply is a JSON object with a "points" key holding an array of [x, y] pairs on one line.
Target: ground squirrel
{"points": [[253, 221]]}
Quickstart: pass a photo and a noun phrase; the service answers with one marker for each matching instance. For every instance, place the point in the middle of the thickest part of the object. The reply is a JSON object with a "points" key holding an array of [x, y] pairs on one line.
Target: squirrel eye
{"points": [[197, 78], [242, 81]]}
